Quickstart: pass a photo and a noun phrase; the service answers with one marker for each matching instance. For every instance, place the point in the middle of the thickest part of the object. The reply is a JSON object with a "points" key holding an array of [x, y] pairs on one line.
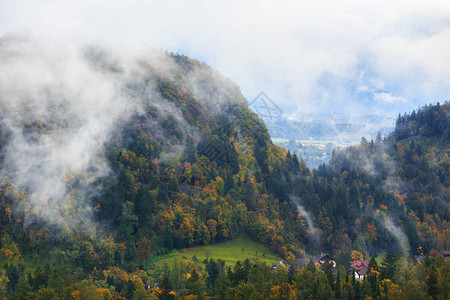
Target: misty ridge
{"points": [[84, 124], [63, 101], [237, 150]]}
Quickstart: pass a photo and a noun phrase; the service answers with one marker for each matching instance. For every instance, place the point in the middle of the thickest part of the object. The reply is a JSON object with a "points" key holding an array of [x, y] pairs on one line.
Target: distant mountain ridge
{"points": [[333, 128]]}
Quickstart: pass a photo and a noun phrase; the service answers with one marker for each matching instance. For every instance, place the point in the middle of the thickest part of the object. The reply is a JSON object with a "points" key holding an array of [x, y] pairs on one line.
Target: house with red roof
{"points": [[360, 268]]}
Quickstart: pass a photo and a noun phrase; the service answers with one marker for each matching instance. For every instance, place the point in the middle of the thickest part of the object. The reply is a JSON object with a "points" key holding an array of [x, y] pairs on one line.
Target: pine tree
{"points": [[337, 287], [431, 282], [212, 269], [388, 267], [291, 273], [327, 268], [165, 291]]}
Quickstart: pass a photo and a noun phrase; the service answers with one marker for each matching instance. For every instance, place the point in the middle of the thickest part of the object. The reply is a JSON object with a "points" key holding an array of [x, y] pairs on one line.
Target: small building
{"points": [[445, 253], [360, 268], [300, 262], [280, 263], [418, 258], [325, 258]]}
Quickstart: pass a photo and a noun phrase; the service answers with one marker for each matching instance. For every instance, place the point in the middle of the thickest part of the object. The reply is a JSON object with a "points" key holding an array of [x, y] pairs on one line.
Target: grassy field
{"points": [[239, 248], [380, 258]]}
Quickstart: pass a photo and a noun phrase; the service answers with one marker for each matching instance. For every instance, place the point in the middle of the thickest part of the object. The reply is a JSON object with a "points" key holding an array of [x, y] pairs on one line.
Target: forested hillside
{"points": [[179, 160], [394, 191]]}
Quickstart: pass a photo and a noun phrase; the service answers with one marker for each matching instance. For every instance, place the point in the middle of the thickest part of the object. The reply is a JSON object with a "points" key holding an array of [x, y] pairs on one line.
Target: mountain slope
{"points": [[109, 159], [176, 160], [395, 191]]}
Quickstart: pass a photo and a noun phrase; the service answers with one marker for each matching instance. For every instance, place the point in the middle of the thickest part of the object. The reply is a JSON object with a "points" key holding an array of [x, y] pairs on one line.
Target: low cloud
{"points": [[61, 103], [58, 109], [388, 98], [308, 56], [312, 231]]}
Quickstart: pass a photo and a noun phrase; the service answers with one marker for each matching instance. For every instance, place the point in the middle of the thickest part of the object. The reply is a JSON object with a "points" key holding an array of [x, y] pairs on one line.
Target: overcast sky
{"points": [[339, 57]]}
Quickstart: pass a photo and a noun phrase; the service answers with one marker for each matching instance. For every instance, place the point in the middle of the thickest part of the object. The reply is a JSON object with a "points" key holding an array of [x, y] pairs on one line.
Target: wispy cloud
{"points": [[388, 98], [284, 48], [61, 103]]}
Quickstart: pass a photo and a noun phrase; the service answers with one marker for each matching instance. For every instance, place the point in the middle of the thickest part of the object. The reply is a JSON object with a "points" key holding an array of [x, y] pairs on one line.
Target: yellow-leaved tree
{"points": [[356, 255], [9, 250]]}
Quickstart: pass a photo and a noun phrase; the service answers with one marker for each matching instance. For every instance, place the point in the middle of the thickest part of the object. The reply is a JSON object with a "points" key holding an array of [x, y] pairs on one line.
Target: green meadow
{"points": [[231, 251]]}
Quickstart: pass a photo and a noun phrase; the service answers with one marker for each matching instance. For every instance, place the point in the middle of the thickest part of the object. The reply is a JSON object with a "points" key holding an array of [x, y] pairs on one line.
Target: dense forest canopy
{"points": [[169, 157]]}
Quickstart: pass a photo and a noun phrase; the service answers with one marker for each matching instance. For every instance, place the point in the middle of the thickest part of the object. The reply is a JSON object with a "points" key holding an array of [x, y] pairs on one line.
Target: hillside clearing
{"points": [[231, 251]]}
